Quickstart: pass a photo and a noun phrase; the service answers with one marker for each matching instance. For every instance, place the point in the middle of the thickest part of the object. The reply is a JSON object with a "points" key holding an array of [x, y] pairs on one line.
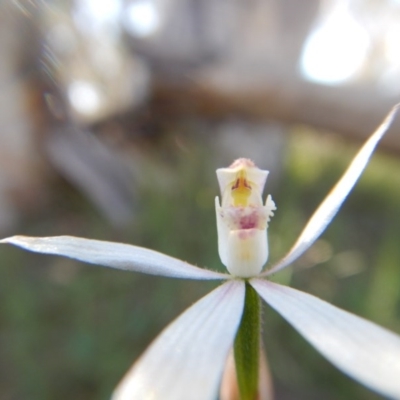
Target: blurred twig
{"points": [[349, 111]]}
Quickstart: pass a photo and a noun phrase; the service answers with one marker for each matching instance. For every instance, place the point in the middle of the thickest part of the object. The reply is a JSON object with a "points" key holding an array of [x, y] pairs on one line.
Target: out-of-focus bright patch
{"points": [[335, 50], [142, 17], [84, 97]]}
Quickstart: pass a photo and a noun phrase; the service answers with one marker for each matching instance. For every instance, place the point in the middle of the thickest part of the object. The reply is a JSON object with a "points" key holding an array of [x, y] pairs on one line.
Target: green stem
{"points": [[247, 346]]}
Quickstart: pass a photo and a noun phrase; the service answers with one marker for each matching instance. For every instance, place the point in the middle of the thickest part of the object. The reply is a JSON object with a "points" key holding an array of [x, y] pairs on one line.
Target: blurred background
{"points": [[114, 115]]}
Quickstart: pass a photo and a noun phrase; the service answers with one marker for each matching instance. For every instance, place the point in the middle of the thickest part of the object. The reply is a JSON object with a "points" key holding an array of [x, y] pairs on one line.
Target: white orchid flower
{"points": [[187, 359]]}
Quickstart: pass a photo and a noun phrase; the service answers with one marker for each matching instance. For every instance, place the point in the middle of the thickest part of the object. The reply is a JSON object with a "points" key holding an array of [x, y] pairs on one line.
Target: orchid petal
{"points": [[187, 359], [330, 206], [364, 351], [114, 255]]}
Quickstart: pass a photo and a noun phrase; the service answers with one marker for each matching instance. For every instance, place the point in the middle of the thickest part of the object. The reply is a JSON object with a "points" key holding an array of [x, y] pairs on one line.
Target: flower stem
{"points": [[247, 346]]}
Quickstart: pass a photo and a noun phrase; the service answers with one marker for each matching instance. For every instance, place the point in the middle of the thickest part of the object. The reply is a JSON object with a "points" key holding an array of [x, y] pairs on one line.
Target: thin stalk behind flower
{"points": [[229, 389]]}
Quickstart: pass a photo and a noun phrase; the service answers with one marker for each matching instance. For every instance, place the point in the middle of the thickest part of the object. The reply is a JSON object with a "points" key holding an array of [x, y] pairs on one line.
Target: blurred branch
{"points": [[349, 111], [95, 169]]}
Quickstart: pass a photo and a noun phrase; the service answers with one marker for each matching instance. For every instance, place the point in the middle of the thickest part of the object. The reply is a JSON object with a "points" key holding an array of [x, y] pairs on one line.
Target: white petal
{"points": [[365, 351], [187, 359], [114, 255], [330, 206]]}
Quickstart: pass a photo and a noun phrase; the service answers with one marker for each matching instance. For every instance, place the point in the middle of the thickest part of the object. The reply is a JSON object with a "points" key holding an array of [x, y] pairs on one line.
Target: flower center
{"points": [[241, 190]]}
